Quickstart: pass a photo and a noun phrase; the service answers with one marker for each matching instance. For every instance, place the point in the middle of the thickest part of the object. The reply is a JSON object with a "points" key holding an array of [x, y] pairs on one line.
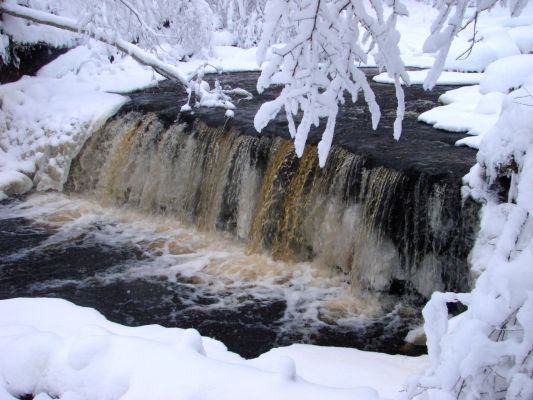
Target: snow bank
{"points": [[495, 43], [476, 109], [44, 120], [466, 110], [50, 347], [341, 367], [43, 124], [23, 32], [234, 59], [90, 64], [506, 74], [446, 78], [523, 38], [498, 36], [223, 59]]}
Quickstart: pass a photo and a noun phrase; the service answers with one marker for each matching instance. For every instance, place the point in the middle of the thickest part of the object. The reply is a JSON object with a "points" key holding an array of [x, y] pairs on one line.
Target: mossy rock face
{"points": [[27, 59]]}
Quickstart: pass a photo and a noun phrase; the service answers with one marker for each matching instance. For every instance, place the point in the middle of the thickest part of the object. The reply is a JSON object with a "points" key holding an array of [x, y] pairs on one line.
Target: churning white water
{"points": [[194, 275]]}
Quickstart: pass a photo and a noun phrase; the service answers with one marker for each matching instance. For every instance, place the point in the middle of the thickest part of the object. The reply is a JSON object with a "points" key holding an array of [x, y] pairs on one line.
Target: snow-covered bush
{"points": [[488, 354], [200, 94]]}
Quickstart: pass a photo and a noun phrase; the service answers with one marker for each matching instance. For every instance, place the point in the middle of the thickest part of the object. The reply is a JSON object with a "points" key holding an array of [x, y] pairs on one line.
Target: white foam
{"points": [[218, 265]]}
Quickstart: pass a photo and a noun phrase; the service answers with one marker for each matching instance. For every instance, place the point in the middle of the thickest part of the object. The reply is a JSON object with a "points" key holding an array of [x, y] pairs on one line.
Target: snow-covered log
{"points": [[167, 70]]}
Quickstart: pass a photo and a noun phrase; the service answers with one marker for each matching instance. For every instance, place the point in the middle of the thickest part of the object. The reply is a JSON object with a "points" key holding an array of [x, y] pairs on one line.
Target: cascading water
{"points": [[347, 216], [194, 221]]}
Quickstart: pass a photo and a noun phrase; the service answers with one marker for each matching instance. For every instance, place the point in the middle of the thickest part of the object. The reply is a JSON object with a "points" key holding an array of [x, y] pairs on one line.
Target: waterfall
{"points": [[385, 229]]}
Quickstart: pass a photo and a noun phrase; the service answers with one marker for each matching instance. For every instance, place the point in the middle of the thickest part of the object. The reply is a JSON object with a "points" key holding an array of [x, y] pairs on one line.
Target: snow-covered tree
{"points": [[150, 25], [488, 353], [242, 18]]}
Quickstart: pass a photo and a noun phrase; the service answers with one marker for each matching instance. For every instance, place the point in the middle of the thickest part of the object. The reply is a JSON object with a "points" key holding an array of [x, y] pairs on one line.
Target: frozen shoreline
{"points": [[50, 347]]}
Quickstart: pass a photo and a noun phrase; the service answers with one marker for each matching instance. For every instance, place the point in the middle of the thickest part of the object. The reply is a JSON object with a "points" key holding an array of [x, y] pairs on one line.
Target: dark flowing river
{"points": [[152, 267]]}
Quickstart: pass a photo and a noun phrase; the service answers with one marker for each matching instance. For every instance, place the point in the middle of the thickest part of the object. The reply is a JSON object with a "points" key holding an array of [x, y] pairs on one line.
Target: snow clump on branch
{"points": [[326, 42]]}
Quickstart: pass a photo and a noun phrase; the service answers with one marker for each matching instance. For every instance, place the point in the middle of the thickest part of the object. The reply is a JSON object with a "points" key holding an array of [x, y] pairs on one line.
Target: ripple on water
{"points": [[143, 269]]}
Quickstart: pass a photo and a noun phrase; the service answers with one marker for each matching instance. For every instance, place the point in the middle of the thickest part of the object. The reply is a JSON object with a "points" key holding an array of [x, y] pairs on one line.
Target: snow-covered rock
{"points": [[14, 182], [476, 109], [43, 124]]}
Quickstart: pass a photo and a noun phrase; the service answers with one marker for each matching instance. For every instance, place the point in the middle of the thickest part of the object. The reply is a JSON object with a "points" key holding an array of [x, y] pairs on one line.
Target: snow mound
{"points": [[91, 64], [43, 124], [523, 38], [50, 347], [495, 43], [446, 78], [234, 59], [476, 109], [13, 182], [507, 74], [341, 367], [465, 110]]}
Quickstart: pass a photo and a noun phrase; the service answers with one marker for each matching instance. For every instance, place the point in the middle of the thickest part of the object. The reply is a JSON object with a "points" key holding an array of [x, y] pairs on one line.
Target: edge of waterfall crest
{"points": [[386, 230]]}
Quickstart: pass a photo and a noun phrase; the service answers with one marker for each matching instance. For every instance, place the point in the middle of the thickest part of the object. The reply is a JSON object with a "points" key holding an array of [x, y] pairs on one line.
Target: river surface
{"points": [[143, 268]]}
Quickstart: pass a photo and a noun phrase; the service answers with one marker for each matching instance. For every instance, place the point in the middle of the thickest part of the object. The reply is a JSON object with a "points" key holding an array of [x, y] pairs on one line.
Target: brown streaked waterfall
{"points": [[377, 225]]}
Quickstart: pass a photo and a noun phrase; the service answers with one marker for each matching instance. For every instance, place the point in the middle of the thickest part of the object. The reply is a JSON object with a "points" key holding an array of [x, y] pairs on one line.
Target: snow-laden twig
{"points": [[200, 91], [318, 64]]}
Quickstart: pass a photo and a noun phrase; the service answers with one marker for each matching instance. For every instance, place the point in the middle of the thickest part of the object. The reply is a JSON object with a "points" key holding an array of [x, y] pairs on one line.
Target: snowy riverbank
{"points": [[52, 348]]}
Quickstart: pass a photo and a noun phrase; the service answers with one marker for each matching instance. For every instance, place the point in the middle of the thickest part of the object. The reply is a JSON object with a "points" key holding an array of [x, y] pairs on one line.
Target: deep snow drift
{"points": [[50, 347]]}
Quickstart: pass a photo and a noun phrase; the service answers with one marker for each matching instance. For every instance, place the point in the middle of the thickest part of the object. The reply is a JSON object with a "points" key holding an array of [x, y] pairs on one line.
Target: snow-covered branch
{"points": [[319, 63], [138, 54], [450, 21]]}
